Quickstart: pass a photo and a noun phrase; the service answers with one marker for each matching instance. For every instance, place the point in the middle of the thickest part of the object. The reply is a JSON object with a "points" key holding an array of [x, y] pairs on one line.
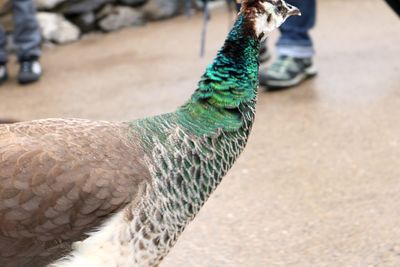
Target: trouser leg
{"points": [[3, 42], [27, 34], [295, 40]]}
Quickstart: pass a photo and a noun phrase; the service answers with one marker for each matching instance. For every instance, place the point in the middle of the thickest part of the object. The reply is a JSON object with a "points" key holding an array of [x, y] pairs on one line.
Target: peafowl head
{"points": [[267, 15]]}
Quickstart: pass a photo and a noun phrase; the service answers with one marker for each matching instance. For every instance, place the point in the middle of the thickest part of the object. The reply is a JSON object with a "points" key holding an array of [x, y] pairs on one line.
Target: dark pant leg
{"points": [[3, 42], [27, 34], [395, 5], [295, 39]]}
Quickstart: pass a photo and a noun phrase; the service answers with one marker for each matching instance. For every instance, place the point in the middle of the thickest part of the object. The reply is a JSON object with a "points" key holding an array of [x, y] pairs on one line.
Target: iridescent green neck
{"points": [[228, 84]]}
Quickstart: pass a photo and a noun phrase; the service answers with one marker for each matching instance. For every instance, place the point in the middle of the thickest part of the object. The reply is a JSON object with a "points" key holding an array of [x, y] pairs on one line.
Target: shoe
{"points": [[3, 73], [286, 72], [30, 71]]}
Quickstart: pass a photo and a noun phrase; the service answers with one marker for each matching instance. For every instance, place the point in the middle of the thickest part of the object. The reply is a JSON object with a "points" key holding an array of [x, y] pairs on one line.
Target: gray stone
{"points": [[104, 12], [162, 9], [121, 17], [11, 47], [86, 22], [78, 7], [47, 4], [56, 28], [7, 21]]}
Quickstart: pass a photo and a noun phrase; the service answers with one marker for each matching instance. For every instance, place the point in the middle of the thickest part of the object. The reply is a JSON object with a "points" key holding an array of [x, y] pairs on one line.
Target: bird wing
{"points": [[61, 178]]}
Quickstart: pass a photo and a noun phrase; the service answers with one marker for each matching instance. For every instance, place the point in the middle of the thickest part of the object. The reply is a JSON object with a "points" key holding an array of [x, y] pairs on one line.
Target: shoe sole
{"points": [[308, 73], [26, 82]]}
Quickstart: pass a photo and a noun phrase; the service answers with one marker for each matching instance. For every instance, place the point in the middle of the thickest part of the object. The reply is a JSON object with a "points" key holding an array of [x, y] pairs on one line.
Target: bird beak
{"points": [[293, 11]]}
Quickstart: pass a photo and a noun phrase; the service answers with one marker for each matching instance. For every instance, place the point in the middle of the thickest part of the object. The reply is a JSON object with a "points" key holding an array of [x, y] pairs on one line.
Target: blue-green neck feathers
{"points": [[233, 76], [230, 82], [225, 97]]}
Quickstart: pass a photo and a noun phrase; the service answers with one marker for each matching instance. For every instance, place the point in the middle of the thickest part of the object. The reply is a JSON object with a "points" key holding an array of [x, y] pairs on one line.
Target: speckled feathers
{"points": [[58, 180]]}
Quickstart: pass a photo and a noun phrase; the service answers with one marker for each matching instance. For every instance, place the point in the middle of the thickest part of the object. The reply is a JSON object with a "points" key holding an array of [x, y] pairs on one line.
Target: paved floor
{"points": [[319, 183]]}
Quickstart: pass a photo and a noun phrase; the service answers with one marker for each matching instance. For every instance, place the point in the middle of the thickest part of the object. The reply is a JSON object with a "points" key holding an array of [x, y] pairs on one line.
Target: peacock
{"points": [[83, 193]]}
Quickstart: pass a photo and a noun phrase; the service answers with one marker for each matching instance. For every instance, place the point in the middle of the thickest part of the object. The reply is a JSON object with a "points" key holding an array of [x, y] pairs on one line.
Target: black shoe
{"points": [[287, 72], [30, 71], [3, 73]]}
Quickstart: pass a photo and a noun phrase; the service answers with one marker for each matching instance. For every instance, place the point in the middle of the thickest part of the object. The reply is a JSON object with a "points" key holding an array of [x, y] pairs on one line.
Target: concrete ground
{"points": [[319, 183]]}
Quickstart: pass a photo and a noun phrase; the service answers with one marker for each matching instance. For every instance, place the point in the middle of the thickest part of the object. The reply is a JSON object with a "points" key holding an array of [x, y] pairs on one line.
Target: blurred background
{"points": [[319, 183]]}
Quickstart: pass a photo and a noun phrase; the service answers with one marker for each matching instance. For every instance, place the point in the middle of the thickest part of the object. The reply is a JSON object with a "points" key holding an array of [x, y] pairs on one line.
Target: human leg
{"points": [[26, 33], [3, 56], [294, 48], [27, 37], [295, 40]]}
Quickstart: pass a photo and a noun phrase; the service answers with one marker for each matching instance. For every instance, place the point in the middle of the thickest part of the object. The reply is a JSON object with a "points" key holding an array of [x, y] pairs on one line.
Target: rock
{"points": [[6, 19], [7, 22], [56, 28], [11, 47], [133, 3], [121, 17], [78, 7], [47, 4], [86, 22], [104, 12], [162, 9]]}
